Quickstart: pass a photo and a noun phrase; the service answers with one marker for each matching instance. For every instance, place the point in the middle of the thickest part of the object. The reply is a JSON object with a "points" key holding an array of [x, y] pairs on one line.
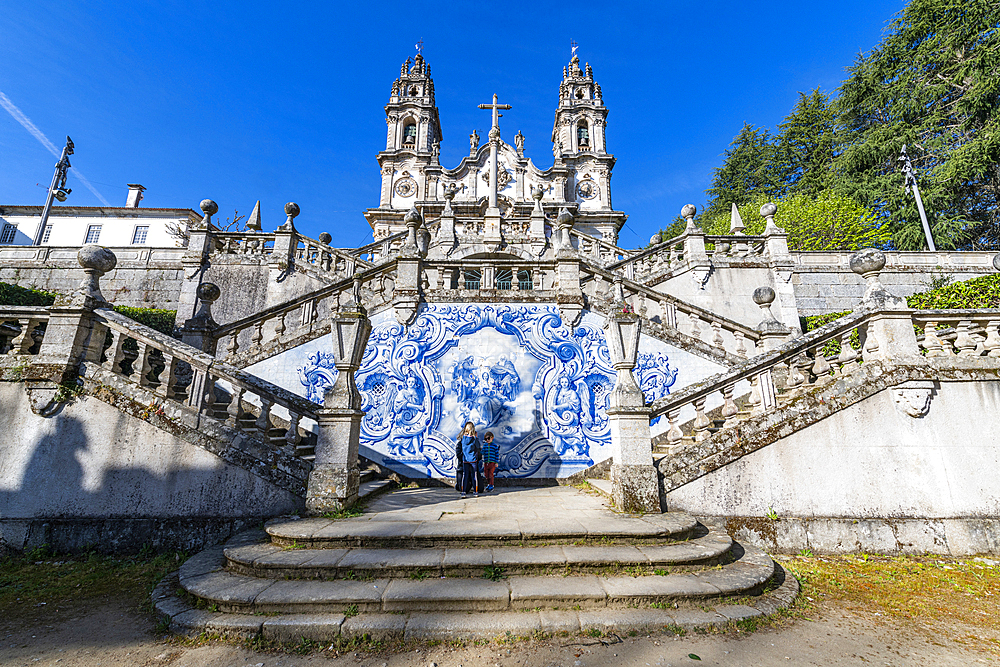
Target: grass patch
{"points": [[956, 598], [39, 581], [494, 573], [354, 510]]}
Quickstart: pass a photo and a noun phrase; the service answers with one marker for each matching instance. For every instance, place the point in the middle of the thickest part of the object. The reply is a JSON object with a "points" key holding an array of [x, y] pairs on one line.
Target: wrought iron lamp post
{"points": [[910, 183], [57, 189]]}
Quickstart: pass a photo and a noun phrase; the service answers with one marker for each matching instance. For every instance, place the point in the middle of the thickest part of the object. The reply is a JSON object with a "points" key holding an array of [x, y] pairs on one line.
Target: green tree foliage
{"points": [[747, 172], [806, 145], [983, 292], [829, 221], [15, 295], [933, 83]]}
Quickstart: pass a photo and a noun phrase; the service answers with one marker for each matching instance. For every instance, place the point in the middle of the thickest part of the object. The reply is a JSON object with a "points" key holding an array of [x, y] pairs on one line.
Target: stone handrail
{"points": [[155, 349], [718, 331], [20, 328], [380, 249], [793, 358], [326, 257], [975, 332], [736, 245], [243, 243], [598, 249], [449, 275], [249, 333]]}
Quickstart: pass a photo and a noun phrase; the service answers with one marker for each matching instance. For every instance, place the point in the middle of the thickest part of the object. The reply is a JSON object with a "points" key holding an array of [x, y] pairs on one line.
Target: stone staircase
{"points": [[421, 564]]}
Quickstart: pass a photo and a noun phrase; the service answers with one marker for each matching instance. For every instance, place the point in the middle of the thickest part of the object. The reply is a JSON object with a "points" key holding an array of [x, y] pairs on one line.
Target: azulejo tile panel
{"points": [[540, 387]]}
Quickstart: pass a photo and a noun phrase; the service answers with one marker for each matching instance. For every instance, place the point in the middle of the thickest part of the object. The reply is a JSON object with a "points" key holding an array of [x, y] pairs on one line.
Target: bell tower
{"points": [[579, 145], [409, 162]]}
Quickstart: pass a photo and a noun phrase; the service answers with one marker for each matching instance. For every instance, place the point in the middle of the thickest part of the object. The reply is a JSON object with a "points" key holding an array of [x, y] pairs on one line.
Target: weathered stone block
{"points": [[635, 488]]}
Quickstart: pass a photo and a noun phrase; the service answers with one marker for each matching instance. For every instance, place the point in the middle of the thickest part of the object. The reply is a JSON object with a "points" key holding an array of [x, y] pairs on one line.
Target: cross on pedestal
{"points": [[494, 145]]}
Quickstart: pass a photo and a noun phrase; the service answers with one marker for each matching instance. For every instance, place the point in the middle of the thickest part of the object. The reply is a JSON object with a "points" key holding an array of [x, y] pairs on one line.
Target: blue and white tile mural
{"points": [[540, 387]]}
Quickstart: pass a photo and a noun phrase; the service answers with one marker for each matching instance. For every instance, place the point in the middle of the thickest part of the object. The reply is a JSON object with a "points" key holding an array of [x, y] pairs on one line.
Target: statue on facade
{"points": [[474, 141], [519, 142], [407, 408], [436, 150], [564, 424]]}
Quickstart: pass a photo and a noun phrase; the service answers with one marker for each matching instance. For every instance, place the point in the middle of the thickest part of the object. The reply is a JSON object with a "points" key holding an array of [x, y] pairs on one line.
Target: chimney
{"points": [[134, 195]]}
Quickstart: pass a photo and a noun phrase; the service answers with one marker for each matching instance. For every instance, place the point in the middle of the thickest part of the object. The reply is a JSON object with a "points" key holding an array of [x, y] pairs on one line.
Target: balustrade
{"points": [[22, 329], [961, 333]]}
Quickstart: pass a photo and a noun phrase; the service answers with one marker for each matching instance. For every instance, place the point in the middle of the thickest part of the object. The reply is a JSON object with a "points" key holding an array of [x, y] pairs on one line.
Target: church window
{"points": [[8, 234], [504, 277], [47, 234], [414, 91], [472, 277], [583, 135], [524, 280], [410, 135], [580, 93], [93, 234], [139, 235]]}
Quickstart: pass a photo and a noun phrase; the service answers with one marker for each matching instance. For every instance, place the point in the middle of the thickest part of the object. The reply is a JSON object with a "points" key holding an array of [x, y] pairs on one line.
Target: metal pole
{"points": [[910, 183], [60, 172]]}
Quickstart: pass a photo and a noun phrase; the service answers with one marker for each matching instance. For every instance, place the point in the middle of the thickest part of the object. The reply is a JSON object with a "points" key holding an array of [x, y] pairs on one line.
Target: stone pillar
{"points": [[569, 292], [772, 332], [782, 268], [634, 481], [72, 335], [889, 335], [694, 247], [194, 263], [199, 331], [333, 482], [286, 240], [406, 287], [445, 239], [536, 229]]}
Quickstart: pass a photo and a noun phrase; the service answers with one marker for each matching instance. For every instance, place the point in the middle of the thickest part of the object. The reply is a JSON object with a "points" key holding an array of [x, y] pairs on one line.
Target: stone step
{"points": [[602, 486], [268, 560], [203, 577], [292, 628], [431, 527]]}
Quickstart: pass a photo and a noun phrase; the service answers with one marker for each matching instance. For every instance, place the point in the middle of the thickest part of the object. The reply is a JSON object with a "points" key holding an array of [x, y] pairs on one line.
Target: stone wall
{"points": [[144, 277], [869, 478], [92, 475]]}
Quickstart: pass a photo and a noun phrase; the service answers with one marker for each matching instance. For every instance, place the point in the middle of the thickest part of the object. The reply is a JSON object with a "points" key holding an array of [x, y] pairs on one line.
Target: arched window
{"points": [[414, 91], [472, 277], [524, 280], [410, 135], [583, 135], [504, 279], [580, 93]]}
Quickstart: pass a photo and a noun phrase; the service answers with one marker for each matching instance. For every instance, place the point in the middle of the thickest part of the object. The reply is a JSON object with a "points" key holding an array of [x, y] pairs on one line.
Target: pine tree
{"points": [[747, 172], [806, 145], [933, 83]]}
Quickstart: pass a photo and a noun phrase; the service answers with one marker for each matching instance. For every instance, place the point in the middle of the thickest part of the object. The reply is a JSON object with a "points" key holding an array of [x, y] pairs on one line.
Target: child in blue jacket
{"points": [[469, 453]]}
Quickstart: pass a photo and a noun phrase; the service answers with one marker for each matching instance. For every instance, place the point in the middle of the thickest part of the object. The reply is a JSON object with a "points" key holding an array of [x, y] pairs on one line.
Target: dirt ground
{"points": [[107, 633]]}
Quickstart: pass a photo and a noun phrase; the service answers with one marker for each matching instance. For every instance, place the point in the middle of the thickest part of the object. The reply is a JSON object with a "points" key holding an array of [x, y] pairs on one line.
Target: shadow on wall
{"points": [[75, 494]]}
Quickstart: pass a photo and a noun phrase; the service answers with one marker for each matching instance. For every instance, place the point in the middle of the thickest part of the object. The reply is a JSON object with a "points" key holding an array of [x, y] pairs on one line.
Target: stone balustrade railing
{"points": [[325, 257], [243, 243], [818, 357], [381, 249], [22, 329], [963, 333], [489, 274], [735, 246], [292, 321], [715, 330], [176, 371], [597, 249]]}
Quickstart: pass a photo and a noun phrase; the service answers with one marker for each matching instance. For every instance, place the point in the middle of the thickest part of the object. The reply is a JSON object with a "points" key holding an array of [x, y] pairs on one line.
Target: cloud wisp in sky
{"points": [[32, 129]]}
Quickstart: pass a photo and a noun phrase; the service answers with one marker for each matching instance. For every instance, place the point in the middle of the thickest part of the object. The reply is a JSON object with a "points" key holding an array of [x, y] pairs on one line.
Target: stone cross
{"points": [[494, 146]]}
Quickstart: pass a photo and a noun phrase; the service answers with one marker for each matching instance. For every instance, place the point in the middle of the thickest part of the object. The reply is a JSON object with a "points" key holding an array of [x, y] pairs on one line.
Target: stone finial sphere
{"points": [[768, 209], [291, 209], [655, 238], [688, 210], [324, 237], [97, 258], [413, 215], [208, 292], [209, 207], [867, 261], [763, 296], [996, 262]]}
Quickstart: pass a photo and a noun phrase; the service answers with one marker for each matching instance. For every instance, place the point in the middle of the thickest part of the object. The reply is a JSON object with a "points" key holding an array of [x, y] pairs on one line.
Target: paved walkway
{"points": [[510, 513]]}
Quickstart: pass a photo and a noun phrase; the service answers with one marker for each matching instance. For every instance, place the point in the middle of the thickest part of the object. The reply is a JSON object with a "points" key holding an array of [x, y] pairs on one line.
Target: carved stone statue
{"points": [[436, 150], [519, 142], [474, 141]]}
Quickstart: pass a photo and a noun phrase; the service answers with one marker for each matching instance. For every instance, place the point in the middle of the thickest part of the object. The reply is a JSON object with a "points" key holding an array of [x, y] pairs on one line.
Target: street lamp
{"points": [[57, 190], [910, 183]]}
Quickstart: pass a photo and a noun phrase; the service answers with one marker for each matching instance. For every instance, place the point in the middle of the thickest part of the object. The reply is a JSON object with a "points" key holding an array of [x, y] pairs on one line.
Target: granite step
{"points": [[531, 614], [434, 528], [205, 578], [268, 560]]}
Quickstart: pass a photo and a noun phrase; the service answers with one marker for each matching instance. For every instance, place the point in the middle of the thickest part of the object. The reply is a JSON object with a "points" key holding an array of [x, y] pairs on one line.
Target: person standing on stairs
{"points": [[469, 452], [491, 456]]}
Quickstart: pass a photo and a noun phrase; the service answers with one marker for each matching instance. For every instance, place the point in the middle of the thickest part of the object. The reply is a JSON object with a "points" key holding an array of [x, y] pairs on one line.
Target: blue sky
{"points": [[240, 101]]}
